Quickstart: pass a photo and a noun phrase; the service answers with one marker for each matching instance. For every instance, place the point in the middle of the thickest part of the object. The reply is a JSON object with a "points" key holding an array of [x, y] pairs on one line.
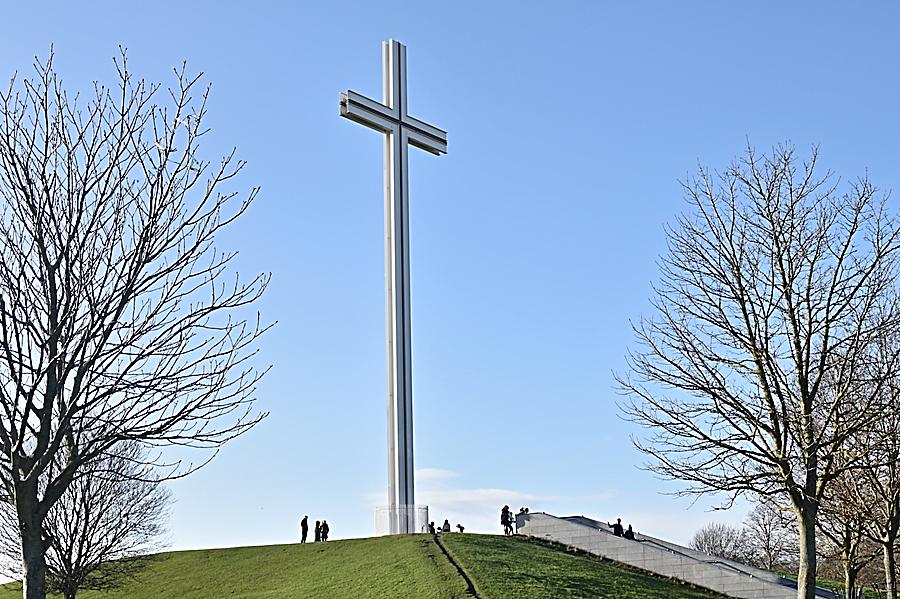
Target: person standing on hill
{"points": [[318, 532], [325, 529], [304, 529], [505, 518]]}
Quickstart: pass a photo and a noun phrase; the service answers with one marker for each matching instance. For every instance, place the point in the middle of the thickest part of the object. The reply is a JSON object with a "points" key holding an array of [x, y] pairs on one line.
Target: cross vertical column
{"points": [[400, 131], [401, 479]]}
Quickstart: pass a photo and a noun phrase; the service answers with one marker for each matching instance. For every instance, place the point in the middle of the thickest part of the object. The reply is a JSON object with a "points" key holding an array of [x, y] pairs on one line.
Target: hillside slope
{"points": [[519, 568], [388, 567], [364, 568]]}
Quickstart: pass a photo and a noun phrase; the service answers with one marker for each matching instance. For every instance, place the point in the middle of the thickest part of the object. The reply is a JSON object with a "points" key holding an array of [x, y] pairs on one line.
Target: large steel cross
{"points": [[400, 130]]}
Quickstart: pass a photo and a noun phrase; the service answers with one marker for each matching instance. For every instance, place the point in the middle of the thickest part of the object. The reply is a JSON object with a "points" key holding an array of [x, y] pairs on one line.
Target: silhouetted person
{"points": [[431, 528], [461, 527], [505, 518], [318, 532], [304, 529], [446, 526], [617, 527], [325, 530], [629, 534]]}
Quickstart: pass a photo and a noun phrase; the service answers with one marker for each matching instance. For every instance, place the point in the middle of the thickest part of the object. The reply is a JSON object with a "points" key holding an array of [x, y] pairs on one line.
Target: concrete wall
{"points": [[693, 553], [665, 559]]}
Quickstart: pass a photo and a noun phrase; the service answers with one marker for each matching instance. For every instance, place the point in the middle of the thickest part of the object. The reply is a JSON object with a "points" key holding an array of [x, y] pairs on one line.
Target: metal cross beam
{"points": [[400, 131]]}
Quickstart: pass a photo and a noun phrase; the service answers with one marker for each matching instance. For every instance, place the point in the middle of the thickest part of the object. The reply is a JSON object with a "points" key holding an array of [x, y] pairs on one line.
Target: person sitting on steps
{"points": [[629, 534]]}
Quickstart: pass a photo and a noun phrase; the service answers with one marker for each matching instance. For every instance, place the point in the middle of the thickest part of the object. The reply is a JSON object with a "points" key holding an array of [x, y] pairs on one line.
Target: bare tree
{"points": [[773, 291], [112, 514], [119, 320], [844, 542], [771, 536], [722, 540], [877, 486]]}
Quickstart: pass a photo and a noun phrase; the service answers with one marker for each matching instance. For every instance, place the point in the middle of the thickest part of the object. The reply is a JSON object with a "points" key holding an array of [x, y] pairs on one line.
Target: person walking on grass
{"points": [[325, 529], [318, 536]]}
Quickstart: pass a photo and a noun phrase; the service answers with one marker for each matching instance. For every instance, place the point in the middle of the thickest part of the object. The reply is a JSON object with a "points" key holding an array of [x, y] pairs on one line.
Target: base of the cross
{"points": [[400, 519]]}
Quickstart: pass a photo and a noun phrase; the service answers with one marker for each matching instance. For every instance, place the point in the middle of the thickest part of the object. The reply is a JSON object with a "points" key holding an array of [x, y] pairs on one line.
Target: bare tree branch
{"points": [[758, 366], [118, 315], [105, 523]]}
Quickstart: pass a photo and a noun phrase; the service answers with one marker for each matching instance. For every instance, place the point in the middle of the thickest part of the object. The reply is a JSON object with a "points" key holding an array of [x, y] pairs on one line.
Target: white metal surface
{"points": [[387, 517], [400, 130]]}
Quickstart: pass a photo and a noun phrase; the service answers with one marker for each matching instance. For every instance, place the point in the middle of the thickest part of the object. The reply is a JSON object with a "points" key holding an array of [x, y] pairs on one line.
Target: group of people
{"points": [[619, 531], [511, 526], [508, 521], [445, 527], [320, 532]]}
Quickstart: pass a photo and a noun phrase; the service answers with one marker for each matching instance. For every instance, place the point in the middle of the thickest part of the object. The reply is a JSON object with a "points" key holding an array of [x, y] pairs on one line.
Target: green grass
{"points": [[408, 566], [517, 568], [388, 567]]}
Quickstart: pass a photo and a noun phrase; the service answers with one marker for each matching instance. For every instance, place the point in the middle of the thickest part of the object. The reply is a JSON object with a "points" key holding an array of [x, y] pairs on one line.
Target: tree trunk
{"points": [[806, 578], [851, 568], [33, 565], [890, 573], [849, 581]]}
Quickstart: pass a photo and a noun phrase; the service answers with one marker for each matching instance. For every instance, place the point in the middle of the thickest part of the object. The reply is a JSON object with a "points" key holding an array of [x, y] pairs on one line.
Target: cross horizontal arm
{"points": [[375, 115], [429, 130], [361, 109], [425, 137]]}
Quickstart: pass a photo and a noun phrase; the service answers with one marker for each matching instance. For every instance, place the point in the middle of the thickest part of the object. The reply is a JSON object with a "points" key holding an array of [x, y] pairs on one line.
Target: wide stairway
{"points": [[663, 558]]}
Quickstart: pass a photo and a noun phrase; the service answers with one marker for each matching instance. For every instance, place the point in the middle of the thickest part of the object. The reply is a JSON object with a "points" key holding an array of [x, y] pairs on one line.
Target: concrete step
{"points": [[663, 558]]}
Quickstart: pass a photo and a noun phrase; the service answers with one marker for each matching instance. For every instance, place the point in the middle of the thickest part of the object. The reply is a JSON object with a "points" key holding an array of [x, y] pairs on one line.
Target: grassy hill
{"points": [[504, 567], [387, 567]]}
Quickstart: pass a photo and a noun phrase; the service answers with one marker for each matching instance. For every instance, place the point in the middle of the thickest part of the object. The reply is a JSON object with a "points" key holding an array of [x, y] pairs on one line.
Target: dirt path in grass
{"points": [[470, 586]]}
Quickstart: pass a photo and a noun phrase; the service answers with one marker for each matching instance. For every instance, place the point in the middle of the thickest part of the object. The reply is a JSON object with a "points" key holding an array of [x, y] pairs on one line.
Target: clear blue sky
{"points": [[534, 241]]}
